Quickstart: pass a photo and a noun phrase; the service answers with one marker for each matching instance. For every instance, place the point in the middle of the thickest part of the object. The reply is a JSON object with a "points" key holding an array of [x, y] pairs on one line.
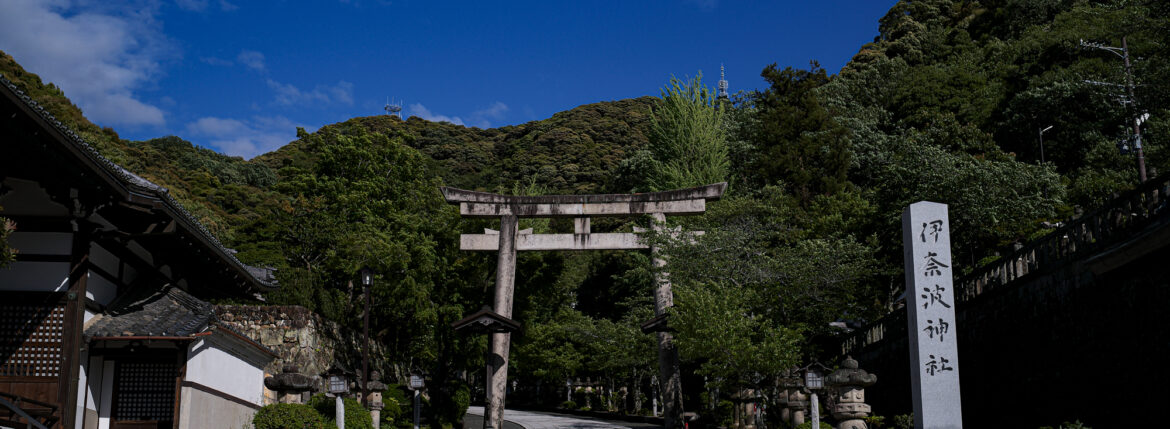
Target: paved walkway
{"points": [[535, 420]]}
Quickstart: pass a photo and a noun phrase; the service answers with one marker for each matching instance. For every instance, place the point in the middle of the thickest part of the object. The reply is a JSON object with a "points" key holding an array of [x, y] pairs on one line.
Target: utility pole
{"points": [[1123, 52], [1137, 129]]}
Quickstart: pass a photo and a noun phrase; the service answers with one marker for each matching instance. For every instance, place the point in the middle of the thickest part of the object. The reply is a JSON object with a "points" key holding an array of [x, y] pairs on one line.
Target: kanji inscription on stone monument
{"points": [[934, 354]]}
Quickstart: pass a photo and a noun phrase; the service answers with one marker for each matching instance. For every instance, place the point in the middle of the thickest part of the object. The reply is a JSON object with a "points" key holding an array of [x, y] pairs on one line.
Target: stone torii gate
{"points": [[508, 240]]}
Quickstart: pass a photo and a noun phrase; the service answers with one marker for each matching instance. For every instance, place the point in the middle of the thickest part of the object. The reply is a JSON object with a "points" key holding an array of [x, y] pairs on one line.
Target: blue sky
{"points": [[239, 76]]}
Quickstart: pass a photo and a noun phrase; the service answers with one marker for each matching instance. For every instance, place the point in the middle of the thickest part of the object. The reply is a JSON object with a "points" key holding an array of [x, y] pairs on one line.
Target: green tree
{"points": [[800, 143], [688, 138]]}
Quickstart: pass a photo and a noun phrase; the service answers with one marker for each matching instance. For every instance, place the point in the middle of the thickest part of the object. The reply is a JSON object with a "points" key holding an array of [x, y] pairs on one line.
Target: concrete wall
{"points": [[1060, 345]]}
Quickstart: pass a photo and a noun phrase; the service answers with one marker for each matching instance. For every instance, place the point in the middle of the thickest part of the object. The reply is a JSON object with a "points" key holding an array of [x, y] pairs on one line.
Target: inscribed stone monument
{"points": [[930, 312]]}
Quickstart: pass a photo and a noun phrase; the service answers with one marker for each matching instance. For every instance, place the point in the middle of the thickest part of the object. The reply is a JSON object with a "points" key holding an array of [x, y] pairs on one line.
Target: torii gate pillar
{"points": [[508, 240]]}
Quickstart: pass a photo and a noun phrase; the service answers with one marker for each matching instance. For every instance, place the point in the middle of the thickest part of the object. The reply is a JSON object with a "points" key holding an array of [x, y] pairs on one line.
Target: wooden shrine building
{"points": [[104, 316]]}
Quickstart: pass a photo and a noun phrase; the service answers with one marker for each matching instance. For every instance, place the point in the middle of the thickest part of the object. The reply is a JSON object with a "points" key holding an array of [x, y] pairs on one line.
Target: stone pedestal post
{"points": [[782, 402], [850, 383], [374, 398], [589, 393], [789, 385], [798, 403]]}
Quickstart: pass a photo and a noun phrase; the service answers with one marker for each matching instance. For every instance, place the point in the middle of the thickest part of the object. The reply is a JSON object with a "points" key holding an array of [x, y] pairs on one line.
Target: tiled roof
{"points": [[168, 312], [261, 277]]}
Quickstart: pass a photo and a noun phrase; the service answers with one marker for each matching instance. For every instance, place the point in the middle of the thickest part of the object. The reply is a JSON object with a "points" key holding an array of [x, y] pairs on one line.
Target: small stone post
{"points": [[790, 385], [850, 383], [374, 397], [589, 393], [798, 402]]}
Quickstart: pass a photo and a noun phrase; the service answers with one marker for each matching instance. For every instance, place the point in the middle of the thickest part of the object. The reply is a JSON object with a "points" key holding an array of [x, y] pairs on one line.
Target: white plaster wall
{"points": [[210, 364], [107, 394], [97, 365], [201, 410], [41, 243], [83, 382], [28, 198], [103, 258], [27, 276], [99, 289], [129, 274]]}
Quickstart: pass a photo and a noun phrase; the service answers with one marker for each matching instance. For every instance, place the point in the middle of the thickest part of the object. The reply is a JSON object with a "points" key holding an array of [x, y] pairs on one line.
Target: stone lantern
{"points": [[792, 397], [290, 386], [850, 383], [374, 397]]}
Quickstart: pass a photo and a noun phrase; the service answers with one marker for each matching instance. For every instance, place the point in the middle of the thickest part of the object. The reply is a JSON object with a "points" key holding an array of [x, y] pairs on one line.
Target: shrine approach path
{"points": [[514, 419]]}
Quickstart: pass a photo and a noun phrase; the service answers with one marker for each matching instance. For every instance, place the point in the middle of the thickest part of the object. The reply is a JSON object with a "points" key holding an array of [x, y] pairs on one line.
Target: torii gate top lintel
{"points": [[688, 201]]}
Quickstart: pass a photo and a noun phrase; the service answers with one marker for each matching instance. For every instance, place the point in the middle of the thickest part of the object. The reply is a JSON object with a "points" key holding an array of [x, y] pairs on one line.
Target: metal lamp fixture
{"points": [[367, 276]]}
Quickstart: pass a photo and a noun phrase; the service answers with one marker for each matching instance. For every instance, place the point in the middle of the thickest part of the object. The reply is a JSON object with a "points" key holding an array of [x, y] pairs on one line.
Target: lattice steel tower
{"points": [[722, 84]]}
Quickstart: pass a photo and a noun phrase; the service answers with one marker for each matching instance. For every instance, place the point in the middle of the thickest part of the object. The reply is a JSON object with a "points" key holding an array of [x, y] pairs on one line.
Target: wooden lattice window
{"points": [[32, 329], [145, 390]]}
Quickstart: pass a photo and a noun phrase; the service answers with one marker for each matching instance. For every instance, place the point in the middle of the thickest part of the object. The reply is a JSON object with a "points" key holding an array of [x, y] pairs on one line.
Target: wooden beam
{"points": [[74, 321]]}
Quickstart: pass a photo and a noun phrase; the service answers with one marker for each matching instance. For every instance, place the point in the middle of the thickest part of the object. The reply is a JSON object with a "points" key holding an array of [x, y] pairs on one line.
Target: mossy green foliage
{"points": [[356, 416], [288, 416]]}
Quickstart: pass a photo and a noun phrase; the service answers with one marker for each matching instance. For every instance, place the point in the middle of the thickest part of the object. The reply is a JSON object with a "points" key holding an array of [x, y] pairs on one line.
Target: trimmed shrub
{"points": [[356, 416], [569, 405], [288, 416], [391, 410]]}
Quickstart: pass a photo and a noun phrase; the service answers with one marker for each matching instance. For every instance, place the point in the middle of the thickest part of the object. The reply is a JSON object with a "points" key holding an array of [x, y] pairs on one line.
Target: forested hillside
{"points": [[947, 104]]}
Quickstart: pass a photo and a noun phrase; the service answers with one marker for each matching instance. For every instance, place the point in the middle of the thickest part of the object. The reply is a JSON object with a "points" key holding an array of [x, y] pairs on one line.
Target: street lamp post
{"points": [[416, 384], [1042, 131], [367, 277]]}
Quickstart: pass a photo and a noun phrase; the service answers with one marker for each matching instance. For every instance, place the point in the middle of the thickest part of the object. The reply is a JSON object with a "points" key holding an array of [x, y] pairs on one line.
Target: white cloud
{"points": [[494, 112], [421, 111], [246, 138], [290, 95], [227, 7], [254, 60], [99, 55]]}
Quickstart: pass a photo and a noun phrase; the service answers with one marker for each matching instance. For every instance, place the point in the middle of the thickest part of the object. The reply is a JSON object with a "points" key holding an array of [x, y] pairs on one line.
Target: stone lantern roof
{"points": [[850, 375]]}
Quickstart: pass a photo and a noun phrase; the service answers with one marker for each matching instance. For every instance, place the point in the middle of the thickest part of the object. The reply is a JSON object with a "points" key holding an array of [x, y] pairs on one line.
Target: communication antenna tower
{"points": [[393, 108], [722, 83]]}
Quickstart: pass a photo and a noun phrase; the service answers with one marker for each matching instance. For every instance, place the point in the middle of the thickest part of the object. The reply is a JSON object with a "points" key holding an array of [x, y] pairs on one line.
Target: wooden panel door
{"points": [[32, 328]]}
